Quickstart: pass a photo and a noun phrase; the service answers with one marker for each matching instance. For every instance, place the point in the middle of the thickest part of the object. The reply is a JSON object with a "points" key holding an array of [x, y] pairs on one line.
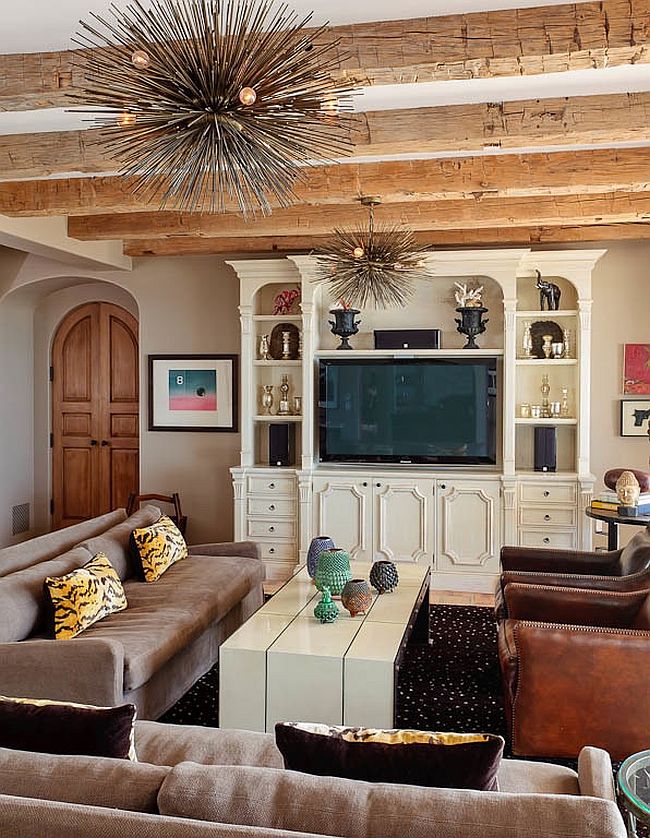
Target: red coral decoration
{"points": [[283, 302]]}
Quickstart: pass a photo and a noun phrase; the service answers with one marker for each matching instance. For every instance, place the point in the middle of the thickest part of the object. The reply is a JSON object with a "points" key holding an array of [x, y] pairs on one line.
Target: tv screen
{"points": [[408, 410]]}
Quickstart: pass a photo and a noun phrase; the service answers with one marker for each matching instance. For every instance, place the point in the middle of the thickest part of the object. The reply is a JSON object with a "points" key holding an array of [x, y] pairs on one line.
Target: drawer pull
{"points": [[547, 517], [378, 485], [271, 549], [443, 485], [546, 540], [271, 529], [271, 485], [365, 483], [546, 493], [272, 507]]}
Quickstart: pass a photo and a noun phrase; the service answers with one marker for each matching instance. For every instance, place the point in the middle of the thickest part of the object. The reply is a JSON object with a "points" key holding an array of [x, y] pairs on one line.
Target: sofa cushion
{"points": [[23, 604], [84, 596], [163, 619], [266, 797], [61, 727], [97, 781], [163, 744], [157, 547], [412, 757], [53, 544], [114, 542]]}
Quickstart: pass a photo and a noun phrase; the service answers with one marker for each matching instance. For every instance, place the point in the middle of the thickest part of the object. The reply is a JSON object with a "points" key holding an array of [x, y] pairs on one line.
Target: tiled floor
{"points": [[435, 597]]}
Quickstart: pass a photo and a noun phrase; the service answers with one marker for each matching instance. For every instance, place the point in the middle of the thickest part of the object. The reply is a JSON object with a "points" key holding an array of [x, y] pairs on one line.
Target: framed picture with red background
{"points": [[636, 369]]}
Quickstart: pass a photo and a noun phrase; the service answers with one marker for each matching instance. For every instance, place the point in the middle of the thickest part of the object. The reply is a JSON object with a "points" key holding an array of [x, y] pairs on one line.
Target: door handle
{"points": [[93, 442], [105, 442]]}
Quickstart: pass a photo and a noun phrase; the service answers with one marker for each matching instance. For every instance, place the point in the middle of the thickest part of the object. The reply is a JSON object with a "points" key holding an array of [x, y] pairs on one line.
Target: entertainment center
{"points": [[389, 458]]}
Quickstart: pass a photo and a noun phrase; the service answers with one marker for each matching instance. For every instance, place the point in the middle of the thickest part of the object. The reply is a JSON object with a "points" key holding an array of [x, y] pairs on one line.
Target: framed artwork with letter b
{"points": [[192, 393]]}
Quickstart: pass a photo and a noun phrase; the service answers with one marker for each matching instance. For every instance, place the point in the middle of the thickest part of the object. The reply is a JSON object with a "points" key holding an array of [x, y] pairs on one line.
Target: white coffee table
{"points": [[284, 665]]}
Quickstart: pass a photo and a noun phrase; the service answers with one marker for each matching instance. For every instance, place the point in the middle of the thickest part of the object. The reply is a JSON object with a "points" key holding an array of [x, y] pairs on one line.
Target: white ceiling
{"points": [[42, 25]]}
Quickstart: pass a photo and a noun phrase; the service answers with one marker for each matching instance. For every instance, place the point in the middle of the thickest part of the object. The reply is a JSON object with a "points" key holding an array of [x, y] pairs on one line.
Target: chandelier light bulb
{"points": [[126, 119], [140, 59], [330, 105], [247, 96], [358, 252]]}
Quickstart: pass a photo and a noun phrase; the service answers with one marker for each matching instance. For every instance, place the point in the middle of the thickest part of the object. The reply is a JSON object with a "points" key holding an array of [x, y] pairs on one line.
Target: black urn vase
{"points": [[344, 325], [471, 323]]}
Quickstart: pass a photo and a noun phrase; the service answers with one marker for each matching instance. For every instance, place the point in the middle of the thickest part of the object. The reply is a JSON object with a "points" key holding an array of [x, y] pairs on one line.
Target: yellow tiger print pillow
{"points": [[158, 547], [84, 596]]}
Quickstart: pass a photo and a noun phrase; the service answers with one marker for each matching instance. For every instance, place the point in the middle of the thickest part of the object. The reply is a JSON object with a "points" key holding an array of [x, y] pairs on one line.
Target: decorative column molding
{"points": [[238, 483], [509, 383], [585, 497], [247, 394], [305, 497], [509, 495], [583, 397]]}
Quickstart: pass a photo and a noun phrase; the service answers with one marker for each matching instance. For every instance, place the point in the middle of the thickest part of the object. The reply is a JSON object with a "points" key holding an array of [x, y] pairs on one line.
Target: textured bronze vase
{"points": [[383, 576], [356, 596]]}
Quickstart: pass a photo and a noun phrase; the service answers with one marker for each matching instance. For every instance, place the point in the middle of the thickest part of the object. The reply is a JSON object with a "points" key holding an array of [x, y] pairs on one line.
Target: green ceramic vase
{"points": [[327, 610], [333, 570]]}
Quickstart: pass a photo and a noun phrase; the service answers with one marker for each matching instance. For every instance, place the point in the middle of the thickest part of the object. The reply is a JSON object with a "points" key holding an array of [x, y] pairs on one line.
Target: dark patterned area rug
{"points": [[452, 685]]}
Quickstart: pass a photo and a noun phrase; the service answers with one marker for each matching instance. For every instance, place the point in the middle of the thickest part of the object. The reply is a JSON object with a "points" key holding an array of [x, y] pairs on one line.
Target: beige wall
{"points": [[189, 305]]}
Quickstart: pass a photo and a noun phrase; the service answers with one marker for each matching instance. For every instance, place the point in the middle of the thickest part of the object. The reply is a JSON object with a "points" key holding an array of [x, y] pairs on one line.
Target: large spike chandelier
{"points": [[373, 264], [208, 104]]}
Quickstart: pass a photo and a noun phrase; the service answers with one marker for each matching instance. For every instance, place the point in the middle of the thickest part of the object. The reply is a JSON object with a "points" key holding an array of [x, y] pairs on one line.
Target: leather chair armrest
{"points": [[534, 559], [248, 549], [577, 686], [574, 606], [88, 670], [563, 580]]}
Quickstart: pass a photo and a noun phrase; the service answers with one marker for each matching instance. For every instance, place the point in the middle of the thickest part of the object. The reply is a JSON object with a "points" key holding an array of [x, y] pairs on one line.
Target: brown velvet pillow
{"points": [[410, 757], [57, 727]]}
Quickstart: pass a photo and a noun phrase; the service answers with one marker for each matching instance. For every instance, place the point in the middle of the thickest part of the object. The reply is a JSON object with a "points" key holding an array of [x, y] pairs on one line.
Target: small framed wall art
{"points": [[636, 376], [193, 392], [635, 417]]}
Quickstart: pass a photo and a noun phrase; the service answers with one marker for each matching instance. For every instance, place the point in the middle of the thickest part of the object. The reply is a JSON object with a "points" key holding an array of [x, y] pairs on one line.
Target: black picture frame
{"points": [[628, 426], [226, 418]]}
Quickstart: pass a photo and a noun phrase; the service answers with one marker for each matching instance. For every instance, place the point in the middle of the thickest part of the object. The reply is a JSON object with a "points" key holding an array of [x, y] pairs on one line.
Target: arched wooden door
{"points": [[95, 412]]}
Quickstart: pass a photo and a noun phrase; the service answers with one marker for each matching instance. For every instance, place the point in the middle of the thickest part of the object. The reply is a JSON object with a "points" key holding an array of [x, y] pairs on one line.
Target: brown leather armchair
{"points": [[575, 666], [627, 569]]}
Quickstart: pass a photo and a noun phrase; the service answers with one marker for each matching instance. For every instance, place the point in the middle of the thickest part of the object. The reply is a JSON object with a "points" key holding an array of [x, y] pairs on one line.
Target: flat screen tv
{"points": [[403, 410]]}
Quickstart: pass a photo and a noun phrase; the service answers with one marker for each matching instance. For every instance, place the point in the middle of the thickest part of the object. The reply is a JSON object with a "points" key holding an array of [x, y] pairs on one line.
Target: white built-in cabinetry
{"points": [[454, 518]]}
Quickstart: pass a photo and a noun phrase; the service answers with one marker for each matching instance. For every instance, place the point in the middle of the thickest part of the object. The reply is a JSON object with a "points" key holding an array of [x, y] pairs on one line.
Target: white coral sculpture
{"points": [[467, 297]]}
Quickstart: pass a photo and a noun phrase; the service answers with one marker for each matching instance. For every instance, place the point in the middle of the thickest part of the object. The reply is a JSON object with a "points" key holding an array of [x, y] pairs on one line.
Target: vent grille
{"points": [[20, 518]]}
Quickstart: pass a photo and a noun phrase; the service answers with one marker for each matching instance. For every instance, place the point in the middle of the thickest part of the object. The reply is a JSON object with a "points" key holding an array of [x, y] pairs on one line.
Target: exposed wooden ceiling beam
{"points": [[560, 211], [188, 246], [508, 125], [408, 181], [478, 45]]}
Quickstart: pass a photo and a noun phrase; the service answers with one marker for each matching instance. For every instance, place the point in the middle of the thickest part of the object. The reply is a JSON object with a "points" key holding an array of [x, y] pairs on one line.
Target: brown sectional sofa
{"points": [[198, 782], [149, 654]]}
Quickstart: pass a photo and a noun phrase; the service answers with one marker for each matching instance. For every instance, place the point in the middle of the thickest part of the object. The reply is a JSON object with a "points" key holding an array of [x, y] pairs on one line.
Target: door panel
{"points": [[95, 412], [404, 520], [468, 526], [342, 510]]}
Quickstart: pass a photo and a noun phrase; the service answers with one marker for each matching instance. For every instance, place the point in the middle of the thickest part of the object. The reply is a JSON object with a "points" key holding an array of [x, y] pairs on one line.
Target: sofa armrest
{"points": [[248, 549], [577, 686], [88, 670], [573, 606], [539, 560], [595, 775]]}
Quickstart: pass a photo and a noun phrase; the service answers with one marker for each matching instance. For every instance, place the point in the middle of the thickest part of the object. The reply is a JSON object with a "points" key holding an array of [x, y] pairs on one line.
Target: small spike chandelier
{"points": [[213, 104], [373, 264]]}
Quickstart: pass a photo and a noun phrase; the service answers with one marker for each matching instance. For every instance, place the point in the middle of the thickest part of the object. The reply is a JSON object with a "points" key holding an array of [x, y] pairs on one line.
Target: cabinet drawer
{"points": [[258, 485], [271, 529], [279, 551], [548, 493], [562, 539], [542, 516], [271, 506]]}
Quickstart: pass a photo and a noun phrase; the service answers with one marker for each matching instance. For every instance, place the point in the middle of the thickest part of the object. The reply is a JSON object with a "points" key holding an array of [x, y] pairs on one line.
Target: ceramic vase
{"points": [[333, 570], [383, 576], [327, 610], [318, 544], [356, 596]]}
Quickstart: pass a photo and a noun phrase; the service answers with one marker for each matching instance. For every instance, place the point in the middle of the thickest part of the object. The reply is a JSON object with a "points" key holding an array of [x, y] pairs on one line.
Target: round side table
{"points": [[613, 519], [634, 785]]}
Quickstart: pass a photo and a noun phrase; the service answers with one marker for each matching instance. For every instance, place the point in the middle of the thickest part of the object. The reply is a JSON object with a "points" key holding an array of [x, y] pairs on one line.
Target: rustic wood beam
{"points": [[477, 45], [552, 211], [507, 125], [403, 181], [188, 246]]}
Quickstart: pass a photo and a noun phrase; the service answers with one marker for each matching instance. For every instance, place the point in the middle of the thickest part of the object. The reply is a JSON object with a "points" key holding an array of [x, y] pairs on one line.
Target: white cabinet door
{"points": [[404, 520], [343, 511], [469, 525]]}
